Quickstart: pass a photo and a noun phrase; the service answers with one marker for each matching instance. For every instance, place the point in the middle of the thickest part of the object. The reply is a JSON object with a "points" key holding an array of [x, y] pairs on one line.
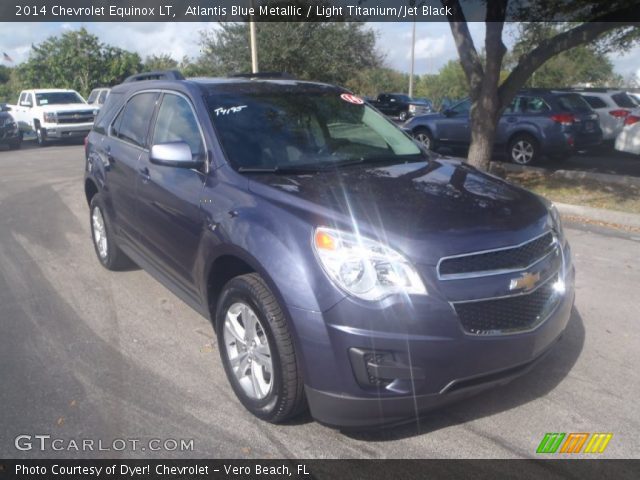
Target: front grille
{"points": [[509, 314], [75, 117], [515, 258]]}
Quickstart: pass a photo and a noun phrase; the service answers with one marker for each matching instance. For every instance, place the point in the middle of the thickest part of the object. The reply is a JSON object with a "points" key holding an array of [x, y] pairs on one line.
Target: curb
{"points": [[610, 217]]}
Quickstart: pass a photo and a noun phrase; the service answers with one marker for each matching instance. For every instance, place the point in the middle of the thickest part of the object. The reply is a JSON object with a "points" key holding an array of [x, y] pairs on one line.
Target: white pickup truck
{"points": [[53, 114]]}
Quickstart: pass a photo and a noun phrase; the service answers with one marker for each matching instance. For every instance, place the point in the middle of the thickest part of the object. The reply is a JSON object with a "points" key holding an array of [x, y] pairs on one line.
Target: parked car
{"points": [[401, 106], [53, 114], [342, 266], [612, 106], [9, 133], [98, 96], [628, 140], [538, 122]]}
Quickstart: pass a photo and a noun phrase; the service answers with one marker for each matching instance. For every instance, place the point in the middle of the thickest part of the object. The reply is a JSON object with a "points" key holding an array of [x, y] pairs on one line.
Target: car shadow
{"points": [[542, 379]]}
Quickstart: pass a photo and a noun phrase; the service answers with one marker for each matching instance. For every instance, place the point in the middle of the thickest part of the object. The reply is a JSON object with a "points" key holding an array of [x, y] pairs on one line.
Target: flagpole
{"points": [[413, 57], [253, 41]]}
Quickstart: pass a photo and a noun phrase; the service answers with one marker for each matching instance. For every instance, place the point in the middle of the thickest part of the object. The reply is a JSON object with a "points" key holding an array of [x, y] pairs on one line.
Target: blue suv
{"points": [[344, 268], [538, 122]]}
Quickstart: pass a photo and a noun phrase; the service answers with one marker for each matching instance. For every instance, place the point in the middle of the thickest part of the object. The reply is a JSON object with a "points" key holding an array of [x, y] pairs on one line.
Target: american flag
{"points": [[7, 57]]}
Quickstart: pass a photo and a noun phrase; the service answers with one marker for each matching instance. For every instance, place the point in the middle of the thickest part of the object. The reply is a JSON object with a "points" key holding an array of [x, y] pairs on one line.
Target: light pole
{"points": [[413, 58], [253, 42]]}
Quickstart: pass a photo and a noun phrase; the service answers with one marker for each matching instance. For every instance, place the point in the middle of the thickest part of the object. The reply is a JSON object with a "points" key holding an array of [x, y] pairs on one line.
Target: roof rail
{"points": [[157, 75], [591, 89], [283, 75]]}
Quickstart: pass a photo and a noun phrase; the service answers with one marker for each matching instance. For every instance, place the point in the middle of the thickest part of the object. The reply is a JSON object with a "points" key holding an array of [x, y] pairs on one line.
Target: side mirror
{"points": [[448, 113], [174, 154]]}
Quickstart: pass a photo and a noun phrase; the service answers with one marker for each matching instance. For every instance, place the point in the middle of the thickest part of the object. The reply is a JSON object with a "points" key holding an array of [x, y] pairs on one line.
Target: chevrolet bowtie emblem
{"points": [[526, 282]]}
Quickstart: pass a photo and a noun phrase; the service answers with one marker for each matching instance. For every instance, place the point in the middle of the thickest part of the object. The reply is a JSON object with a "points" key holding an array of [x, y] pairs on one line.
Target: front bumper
{"points": [[444, 363], [56, 130]]}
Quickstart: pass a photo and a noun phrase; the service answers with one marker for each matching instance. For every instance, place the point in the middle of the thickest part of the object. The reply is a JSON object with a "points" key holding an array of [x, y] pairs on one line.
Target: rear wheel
{"points": [[257, 350], [424, 137], [108, 252], [523, 149]]}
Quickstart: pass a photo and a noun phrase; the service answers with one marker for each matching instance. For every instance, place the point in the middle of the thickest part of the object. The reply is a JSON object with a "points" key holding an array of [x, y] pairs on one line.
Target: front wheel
{"points": [[41, 136], [403, 116], [424, 137], [257, 351], [16, 144], [523, 150]]}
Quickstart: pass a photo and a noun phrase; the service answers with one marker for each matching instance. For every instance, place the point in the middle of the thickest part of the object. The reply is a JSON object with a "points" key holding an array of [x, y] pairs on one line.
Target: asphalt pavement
{"points": [[87, 354]]}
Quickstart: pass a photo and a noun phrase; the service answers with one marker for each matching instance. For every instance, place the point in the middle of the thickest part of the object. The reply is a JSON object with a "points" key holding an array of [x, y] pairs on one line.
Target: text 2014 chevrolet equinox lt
{"points": [[345, 270]]}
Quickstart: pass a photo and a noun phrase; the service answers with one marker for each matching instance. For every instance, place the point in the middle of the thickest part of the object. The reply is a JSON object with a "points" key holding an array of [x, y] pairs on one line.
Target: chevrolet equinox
{"points": [[345, 269]]}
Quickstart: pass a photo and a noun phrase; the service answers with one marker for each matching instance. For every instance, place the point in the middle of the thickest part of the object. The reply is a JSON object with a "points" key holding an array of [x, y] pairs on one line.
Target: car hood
{"points": [[427, 209], [68, 107]]}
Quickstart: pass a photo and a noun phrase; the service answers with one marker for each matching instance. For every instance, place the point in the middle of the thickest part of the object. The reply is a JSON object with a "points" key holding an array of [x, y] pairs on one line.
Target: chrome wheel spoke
{"points": [[248, 351], [232, 326], [99, 232]]}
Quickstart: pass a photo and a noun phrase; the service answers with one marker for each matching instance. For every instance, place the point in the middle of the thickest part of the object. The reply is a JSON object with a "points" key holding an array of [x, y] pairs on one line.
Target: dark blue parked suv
{"points": [[344, 268], [538, 122]]}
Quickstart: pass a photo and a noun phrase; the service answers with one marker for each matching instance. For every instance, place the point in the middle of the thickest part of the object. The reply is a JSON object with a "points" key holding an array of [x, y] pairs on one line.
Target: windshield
{"points": [[573, 103], [58, 98], [302, 129]]}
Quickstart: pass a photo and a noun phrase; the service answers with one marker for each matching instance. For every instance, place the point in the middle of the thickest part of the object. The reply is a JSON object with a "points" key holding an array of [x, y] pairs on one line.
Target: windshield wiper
{"points": [[278, 169]]}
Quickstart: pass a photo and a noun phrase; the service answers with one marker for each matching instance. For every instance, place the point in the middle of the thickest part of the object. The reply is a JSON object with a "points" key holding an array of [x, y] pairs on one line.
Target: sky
{"points": [[434, 43]]}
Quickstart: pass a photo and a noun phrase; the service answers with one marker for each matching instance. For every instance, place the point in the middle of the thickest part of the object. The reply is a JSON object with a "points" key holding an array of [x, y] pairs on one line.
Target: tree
{"points": [[77, 60], [582, 65], [325, 51], [159, 62], [372, 81], [490, 93], [449, 83]]}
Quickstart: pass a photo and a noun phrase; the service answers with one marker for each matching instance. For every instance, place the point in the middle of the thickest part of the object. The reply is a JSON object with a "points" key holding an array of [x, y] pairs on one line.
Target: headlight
{"points": [[556, 221], [365, 268], [50, 117]]}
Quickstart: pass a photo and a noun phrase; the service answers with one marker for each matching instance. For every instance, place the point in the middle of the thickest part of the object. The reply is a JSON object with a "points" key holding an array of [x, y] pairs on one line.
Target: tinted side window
{"points": [[106, 113], [176, 122], [533, 105], [513, 106], [92, 96], [103, 96], [132, 124], [595, 102], [623, 100], [462, 107], [573, 103]]}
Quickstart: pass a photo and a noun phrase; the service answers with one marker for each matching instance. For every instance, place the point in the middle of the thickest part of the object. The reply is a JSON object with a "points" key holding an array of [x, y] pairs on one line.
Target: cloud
{"points": [[430, 47], [146, 38]]}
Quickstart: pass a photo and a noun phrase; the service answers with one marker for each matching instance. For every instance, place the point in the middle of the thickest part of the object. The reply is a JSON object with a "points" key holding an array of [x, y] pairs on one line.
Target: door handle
{"points": [[144, 173]]}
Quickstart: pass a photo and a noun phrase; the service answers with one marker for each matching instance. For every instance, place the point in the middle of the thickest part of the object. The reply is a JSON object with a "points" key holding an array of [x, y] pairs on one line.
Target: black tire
{"points": [[41, 136], [16, 144], [523, 149], [424, 137], [403, 116], [285, 398], [113, 259]]}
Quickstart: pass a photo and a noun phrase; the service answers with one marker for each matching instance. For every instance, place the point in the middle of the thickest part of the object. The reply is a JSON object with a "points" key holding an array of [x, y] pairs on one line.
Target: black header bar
{"points": [[309, 10]]}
